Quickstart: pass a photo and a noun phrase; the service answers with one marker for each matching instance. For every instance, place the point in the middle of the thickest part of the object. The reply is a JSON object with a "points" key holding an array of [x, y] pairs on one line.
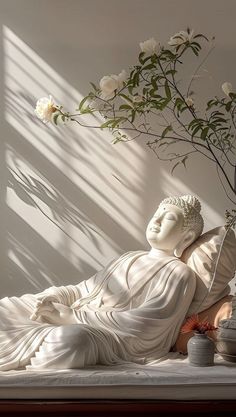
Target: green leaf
{"points": [[200, 35], [167, 90], [116, 140], [108, 123], [141, 56], [217, 113], [94, 86], [172, 72], [154, 58], [136, 79], [195, 51], [167, 143], [179, 102], [152, 93], [133, 114], [211, 103], [204, 133], [166, 130], [55, 117], [169, 54], [196, 122], [183, 108], [220, 120], [228, 106], [131, 89], [83, 101], [154, 83], [175, 165], [163, 103], [125, 107], [196, 45], [86, 110], [183, 162], [156, 104], [105, 124], [149, 66], [127, 98], [197, 128], [132, 73]]}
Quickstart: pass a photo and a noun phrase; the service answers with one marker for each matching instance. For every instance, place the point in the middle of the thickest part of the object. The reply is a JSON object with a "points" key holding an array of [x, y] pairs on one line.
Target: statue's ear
{"points": [[186, 241]]}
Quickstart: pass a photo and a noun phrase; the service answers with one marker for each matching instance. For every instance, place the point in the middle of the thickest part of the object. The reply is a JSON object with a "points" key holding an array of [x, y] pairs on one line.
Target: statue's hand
{"points": [[46, 298], [53, 313], [43, 300]]}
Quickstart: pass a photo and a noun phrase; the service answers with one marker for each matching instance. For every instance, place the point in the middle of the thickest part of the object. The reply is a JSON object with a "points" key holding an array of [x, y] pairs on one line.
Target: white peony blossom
{"points": [[110, 83], [44, 109], [151, 46], [180, 38], [189, 101], [227, 88]]}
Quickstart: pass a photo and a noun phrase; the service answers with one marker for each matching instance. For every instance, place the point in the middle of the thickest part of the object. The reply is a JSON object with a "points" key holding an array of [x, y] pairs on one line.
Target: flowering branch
{"points": [[134, 103], [194, 324]]}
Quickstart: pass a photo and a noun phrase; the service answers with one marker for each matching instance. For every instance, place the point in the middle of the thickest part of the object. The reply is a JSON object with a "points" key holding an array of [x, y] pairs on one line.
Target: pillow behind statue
{"points": [[213, 258]]}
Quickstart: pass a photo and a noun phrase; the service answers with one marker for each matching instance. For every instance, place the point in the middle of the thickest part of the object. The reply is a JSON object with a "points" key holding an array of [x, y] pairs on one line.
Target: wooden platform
{"points": [[117, 408]]}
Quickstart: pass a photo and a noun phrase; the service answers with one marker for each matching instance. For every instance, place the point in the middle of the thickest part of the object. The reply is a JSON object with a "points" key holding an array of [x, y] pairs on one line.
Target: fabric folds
{"points": [[130, 311]]}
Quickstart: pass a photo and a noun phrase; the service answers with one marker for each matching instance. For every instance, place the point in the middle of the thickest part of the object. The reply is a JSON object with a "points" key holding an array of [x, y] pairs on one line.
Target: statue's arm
{"points": [[65, 295], [54, 304], [70, 294], [49, 301]]}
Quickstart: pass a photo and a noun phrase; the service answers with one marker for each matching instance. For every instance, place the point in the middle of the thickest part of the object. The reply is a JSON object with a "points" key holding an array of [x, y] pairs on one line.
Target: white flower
{"points": [[137, 99], [180, 38], [44, 109], [189, 101], [227, 88], [122, 78], [110, 83], [151, 46]]}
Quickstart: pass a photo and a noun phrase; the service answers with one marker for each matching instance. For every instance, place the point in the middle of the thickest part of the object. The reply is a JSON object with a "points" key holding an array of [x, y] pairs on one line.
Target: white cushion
{"points": [[213, 258]]}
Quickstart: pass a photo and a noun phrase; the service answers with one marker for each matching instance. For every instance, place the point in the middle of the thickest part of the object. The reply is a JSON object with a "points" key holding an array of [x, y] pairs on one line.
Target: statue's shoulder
{"points": [[183, 269]]}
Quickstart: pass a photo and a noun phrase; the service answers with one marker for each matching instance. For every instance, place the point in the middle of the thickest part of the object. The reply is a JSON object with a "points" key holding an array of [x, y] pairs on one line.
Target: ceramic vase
{"points": [[201, 350]]}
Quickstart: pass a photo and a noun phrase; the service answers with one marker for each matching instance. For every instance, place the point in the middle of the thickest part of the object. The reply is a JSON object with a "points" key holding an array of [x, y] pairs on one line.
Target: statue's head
{"points": [[176, 224]]}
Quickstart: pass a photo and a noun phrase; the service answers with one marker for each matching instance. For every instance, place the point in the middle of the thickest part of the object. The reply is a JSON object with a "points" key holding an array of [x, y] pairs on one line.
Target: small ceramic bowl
{"points": [[226, 339]]}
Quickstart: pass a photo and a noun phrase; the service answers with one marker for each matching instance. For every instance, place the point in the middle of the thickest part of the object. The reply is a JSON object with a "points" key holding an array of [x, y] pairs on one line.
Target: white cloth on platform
{"points": [[130, 311]]}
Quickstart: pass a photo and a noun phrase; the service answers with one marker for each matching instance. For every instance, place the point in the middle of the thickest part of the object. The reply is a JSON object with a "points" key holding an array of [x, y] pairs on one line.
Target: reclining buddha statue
{"points": [[130, 311]]}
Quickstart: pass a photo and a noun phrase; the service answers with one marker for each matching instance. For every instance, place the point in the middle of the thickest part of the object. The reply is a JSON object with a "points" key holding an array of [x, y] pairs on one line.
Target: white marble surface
{"points": [[172, 378]]}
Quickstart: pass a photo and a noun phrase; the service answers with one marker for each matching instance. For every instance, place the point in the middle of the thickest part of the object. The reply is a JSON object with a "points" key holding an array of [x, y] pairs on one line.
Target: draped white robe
{"points": [[132, 311]]}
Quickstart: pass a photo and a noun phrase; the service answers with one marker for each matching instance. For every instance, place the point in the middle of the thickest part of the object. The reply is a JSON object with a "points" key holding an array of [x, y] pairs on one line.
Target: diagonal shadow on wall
{"points": [[61, 225]]}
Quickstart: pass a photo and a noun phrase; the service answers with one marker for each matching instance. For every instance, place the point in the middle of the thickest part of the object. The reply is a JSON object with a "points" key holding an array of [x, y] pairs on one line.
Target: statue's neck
{"points": [[158, 253]]}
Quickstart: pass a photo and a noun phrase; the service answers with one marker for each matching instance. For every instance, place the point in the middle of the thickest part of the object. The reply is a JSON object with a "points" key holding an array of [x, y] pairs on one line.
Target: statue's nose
{"points": [[157, 220]]}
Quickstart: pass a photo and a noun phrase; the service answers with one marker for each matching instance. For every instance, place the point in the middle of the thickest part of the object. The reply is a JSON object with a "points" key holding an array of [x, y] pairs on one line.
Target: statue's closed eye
{"points": [[170, 216]]}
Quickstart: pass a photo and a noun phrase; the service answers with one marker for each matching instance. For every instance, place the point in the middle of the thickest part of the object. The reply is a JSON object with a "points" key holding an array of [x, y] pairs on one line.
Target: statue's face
{"points": [[165, 229]]}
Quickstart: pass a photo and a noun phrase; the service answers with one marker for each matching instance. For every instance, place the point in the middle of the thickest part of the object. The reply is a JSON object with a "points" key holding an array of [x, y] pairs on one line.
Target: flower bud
{"points": [[227, 88]]}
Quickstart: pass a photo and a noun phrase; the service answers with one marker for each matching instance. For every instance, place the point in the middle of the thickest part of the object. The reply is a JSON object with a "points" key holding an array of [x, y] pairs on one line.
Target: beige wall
{"points": [[70, 201]]}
